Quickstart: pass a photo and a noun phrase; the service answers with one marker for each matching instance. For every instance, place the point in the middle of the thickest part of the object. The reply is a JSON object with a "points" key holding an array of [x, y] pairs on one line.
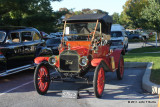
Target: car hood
{"points": [[81, 50]]}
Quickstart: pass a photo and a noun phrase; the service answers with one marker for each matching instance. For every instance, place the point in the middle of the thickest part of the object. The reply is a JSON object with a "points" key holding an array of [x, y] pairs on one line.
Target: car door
{"points": [[14, 52], [31, 40]]}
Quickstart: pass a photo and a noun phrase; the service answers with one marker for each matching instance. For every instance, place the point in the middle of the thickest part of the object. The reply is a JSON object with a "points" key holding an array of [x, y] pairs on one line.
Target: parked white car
{"points": [[119, 37]]}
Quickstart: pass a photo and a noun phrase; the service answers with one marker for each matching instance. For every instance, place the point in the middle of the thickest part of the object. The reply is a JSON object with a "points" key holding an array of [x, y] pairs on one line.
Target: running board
{"points": [[15, 70]]}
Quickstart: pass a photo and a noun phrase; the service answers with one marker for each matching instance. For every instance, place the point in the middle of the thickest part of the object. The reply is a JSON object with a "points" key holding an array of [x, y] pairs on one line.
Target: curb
{"points": [[135, 64], [146, 83]]}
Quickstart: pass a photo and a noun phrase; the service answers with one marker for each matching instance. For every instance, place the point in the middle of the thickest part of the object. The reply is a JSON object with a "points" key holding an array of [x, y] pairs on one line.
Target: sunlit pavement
{"points": [[141, 44], [18, 90]]}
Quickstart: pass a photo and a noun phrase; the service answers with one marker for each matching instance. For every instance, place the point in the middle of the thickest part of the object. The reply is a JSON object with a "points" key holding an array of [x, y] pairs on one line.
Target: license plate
{"points": [[70, 94]]}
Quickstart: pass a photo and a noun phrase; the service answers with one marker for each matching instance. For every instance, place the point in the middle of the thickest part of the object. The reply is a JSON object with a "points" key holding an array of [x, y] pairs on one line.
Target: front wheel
{"points": [[126, 47], [99, 81], [120, 70], [41, 79]]}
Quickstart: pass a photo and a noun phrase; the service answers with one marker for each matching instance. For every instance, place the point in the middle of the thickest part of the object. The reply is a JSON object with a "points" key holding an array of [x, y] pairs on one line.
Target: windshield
{"points": [[116, 34], [2, 36], [81, 31]]}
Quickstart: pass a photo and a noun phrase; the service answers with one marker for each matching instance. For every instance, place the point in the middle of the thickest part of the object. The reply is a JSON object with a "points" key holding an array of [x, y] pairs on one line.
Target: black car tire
{"points": [[120, 70], [126, 48]]}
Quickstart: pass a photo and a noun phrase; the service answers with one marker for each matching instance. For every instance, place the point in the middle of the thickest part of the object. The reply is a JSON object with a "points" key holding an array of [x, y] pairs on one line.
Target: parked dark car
{"points": [[135, 36], [53, 43], [18, 48]]}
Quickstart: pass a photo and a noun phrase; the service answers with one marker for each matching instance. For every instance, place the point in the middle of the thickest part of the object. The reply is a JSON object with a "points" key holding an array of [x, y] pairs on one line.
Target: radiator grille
{"points": [[69, 63], [116, 42]]}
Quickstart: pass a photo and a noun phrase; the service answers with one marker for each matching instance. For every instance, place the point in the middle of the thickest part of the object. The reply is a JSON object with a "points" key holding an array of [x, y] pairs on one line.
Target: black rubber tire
{"points": [[120, 67], [95, 79], [123, 51], [36, 79], [126, 48]]}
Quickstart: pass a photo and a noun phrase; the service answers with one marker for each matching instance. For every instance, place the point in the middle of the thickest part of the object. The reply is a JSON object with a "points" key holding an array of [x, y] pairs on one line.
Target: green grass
{"points": [[152, 38], [145, 49], [146, 57]]}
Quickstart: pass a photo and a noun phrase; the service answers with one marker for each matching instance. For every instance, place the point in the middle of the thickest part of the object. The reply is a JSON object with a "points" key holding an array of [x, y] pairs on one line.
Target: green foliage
{"points": [[85, 11], [151, 15], [132, 12], [29, 13], [115, 17]]}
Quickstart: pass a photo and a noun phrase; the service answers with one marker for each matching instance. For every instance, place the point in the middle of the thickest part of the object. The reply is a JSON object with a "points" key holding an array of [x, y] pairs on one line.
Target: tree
{"points": [[84, 11], [132, 11], [115, 17], [35, 13], [98, 11], [151, 16]]}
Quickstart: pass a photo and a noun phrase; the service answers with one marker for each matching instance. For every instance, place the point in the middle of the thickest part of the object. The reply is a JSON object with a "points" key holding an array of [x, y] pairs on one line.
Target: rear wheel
{"points": [[120, 70], [41, 79], [99, 81]]}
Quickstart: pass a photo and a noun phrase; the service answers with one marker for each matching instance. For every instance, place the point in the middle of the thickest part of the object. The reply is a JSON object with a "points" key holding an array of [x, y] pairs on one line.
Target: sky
{"points": [[109, 6]]}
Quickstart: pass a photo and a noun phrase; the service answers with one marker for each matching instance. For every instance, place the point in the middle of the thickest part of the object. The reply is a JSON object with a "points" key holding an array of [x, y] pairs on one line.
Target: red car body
{"points": [[77, 56]]}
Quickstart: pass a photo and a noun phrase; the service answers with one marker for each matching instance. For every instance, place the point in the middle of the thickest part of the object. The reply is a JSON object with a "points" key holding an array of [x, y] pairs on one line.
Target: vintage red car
{"points": [[88, 47]]}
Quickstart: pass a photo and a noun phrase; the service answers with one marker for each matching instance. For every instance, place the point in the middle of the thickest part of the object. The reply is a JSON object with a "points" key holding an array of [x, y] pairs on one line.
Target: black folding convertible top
{"points": [[104, 18]]}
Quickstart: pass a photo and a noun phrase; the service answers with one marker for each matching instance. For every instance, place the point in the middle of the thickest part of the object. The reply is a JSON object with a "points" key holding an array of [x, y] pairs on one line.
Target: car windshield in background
{"points": [[53, 41], [116, 34], [2, 36], [81, 29], [128, 33]]}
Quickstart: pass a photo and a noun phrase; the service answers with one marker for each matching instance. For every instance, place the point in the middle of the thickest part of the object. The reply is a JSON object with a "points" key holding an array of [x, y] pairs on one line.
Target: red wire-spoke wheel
{"points": [[41, 79], [120, 70], [99, 81]]}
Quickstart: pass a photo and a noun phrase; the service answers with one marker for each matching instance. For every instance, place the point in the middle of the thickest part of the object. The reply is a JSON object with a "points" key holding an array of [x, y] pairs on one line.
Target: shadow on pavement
{"points": [[127, 89]]}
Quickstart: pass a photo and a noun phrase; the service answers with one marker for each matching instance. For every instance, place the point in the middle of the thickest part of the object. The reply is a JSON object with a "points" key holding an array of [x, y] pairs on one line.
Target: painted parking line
{"points": [[16, 88]]}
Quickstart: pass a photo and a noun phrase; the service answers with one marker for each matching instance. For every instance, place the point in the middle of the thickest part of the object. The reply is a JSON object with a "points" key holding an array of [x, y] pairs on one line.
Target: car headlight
{"points": [[52, 60], [83, 61]]}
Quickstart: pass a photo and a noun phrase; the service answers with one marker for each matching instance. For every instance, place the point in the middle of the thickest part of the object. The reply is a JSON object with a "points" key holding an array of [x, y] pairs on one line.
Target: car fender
{"points": [[116, 54], [43, 51], [95, 62], [3, 63], [39, 60]]}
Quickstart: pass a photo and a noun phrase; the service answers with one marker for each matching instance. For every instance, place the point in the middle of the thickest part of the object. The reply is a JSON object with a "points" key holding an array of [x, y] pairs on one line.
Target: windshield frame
{"points": [[4, 34], [93, 33]]}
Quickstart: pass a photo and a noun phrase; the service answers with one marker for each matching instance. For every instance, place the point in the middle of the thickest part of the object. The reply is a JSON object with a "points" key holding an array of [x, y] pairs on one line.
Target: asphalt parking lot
{"points": [[18, 90]]}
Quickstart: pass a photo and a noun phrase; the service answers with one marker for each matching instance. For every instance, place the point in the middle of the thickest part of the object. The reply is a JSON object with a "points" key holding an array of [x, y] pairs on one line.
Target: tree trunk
{"points": [[158, 37]]}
